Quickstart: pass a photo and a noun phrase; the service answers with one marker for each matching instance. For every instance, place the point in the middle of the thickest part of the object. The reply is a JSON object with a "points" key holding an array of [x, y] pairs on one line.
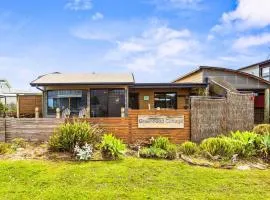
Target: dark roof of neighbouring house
{"points": [[84, 79], [222, 69], [168, 85], [259, 63]]}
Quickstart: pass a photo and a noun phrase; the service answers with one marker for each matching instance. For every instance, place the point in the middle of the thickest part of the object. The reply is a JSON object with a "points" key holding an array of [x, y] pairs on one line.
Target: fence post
{"points": [[36, 112], [122, 112], [58, 113]]}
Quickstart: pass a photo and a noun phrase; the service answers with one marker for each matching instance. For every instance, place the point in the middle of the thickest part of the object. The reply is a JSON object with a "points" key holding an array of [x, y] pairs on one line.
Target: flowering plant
{"points": [[83, 153]]}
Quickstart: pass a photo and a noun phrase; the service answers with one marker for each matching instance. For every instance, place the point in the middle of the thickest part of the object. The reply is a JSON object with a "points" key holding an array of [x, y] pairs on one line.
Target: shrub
{"points": [[265, 146], [152, 152], [250, 142], [4, 148], [68, 135], [161, 143], [111, 147], [83, 153], [188, 148], [218, 146], [262, 129], [18, 143], [160, 148], [171, 152]]}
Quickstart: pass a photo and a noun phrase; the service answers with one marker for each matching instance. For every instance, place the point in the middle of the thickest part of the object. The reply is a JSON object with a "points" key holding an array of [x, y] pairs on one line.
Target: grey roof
{"points": [[259, 63], [84, 79]]}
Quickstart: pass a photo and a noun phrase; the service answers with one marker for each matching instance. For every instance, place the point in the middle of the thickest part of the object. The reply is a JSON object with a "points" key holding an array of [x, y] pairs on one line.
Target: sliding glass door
{"points": [[74, 100], [107, 102]]}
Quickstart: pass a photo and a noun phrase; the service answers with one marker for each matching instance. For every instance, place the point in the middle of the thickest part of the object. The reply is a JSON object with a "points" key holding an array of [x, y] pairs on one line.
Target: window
{"points": [[166, 100], [266, 73], [107, 102], [75, 100]]}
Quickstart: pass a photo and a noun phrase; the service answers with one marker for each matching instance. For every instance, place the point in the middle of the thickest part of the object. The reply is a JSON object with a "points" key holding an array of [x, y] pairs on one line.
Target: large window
{"points": [[74, 100], [107, 102], [266, 73], [165, 100]]}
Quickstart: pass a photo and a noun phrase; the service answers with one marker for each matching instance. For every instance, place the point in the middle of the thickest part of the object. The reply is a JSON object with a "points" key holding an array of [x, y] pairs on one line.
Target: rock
{"points": [[259, 166], [243, 167]]}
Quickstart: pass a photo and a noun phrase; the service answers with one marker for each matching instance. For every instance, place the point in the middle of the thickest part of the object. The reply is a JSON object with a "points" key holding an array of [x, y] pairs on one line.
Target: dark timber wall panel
{"points": [[31, 129]]}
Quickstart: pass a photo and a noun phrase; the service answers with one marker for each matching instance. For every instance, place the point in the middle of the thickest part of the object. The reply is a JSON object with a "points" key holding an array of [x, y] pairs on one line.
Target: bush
{"points": [[188, 148], [160, 148], [18, 143], [153, 152], [250, 142], [161, 143], [262, 129], [218, 146], [171, 152], [77, 133], [265, 146], [111, 147], [4, 148]]}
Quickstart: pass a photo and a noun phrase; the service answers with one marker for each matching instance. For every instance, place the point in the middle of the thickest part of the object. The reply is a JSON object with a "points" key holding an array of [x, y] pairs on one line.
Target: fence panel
{"points": [[31, 129], [176, 135], [208, 118], [211, 117]]}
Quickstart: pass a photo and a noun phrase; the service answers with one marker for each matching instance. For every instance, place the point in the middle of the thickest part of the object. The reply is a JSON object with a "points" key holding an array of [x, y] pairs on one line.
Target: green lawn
{"points": [[128, 179]]}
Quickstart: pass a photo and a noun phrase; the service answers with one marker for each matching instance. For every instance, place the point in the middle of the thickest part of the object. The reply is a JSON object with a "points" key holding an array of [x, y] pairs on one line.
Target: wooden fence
{"points": [[123, 128], [211, 116], [29, 128], [27, 105]]}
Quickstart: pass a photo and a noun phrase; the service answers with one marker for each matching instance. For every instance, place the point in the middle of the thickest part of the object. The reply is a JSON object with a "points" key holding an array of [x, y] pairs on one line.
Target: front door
{"points": [[134, 100]]}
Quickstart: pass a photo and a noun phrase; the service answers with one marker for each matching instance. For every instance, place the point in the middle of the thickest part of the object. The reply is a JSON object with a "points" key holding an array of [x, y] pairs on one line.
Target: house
{"points": [[109, 94], [237, 80], [261, 69], [13, 99]]}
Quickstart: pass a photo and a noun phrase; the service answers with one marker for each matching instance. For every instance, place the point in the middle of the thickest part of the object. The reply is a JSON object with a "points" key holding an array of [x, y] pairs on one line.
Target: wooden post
{"points": [[122, 112], [36, 113], [266, 105], [18, 105], [58, 116]]}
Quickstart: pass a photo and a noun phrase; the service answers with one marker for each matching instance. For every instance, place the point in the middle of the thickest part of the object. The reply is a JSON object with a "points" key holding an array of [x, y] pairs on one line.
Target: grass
{"points": [[128, 179]]}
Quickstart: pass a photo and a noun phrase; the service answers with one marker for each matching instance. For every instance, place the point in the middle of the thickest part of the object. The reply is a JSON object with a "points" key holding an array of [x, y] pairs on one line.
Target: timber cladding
{"points": [[176, 135], [31, 129], [127, 128], [27, 105], [41, 129]]}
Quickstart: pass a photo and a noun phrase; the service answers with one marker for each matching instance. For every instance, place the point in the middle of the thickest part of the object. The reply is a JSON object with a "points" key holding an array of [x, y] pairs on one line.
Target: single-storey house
{"points": [[239, 80], [109, 95]]}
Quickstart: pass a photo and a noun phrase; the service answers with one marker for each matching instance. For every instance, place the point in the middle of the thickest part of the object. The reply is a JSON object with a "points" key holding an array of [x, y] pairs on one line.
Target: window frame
{"points": [[165, 95]]}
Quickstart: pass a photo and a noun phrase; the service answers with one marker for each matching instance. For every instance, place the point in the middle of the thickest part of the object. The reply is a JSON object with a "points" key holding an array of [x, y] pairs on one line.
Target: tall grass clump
{"points": [[220, 146], [188, 148], [68, 135], [262, 129], [161, 147]]}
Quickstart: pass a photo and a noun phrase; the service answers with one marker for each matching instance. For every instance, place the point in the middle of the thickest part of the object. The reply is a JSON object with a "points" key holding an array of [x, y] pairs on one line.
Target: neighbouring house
{"points": [[261, 69], [236, 80], [105, 95], [10, 96]]}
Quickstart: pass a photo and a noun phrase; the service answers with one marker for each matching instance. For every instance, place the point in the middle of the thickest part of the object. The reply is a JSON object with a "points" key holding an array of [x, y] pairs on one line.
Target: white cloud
{"points": [[108, 30], [97, 16], [154, 49], [79, 5], [177, 4], [248, 14], [252, 41]]}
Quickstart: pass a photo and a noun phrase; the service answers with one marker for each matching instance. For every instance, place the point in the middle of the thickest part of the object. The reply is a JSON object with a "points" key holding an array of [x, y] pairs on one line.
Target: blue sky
{"points": [[157, 40]]}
